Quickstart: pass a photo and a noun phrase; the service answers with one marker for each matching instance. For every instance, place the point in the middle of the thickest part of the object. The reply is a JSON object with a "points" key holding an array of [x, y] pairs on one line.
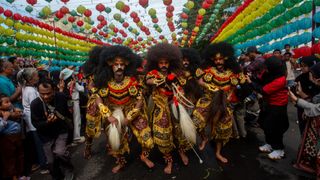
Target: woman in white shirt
{"points": [[28, 78]]}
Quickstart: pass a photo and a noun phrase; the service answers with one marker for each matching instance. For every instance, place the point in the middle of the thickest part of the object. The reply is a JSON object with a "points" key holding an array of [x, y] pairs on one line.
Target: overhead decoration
{"points": [[32, 2], [184, 22], [144, 3], [206, 4], [100, 7]]}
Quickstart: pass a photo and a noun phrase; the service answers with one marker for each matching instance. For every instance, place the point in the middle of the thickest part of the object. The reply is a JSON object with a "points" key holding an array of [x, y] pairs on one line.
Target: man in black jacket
{"points": [[50, 115]]}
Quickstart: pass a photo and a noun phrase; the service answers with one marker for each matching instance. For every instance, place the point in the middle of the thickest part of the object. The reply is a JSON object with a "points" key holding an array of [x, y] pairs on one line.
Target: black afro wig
{"points": [[193, 57], [104, 72], [90, 66], [167, 51], [226, 50]]}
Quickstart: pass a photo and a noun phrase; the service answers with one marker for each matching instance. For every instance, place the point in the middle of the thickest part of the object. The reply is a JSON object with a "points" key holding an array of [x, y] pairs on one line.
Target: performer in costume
{"points": [[120, 95], [165, 75], [93, 117], [220, 71], [191, 61]]}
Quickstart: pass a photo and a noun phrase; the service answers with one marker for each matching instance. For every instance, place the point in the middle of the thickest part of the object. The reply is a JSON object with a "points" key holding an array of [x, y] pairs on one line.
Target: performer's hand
{"points": [[113, 120]]}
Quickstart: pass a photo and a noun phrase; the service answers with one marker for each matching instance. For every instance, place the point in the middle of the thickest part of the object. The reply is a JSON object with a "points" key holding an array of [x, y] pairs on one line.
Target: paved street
{"points": [[245, 161]]}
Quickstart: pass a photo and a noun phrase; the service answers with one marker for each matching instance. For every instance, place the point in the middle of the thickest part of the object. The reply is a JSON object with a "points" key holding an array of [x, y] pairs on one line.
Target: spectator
{"points": [[309, 153], [309, 89], [290, 69], [43, 75], [287, 48], [52, 119], [7, 87], [277, 53], [16, 68], [253, 53], [274, 118], [28, 79], [11, 149]]}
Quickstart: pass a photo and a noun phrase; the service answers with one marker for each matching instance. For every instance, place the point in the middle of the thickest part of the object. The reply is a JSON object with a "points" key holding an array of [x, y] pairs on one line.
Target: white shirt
{"points": [[290, 73], [28, 95], [75, 93]]}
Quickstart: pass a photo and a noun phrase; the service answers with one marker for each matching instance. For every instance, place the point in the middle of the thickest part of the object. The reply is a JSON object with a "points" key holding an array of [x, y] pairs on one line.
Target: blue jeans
{"points": [[42, 160]]}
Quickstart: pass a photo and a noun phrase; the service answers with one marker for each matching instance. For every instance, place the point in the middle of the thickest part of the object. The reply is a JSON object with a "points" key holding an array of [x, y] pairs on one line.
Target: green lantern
{"points": [[107, 10], [287, 3], [306, 7], [73, 13], [29, 9], [10, 41], [65, 22], [10, 1]]}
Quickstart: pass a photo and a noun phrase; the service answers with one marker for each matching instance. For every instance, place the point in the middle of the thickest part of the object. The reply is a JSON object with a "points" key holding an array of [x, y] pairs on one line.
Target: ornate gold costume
{"points": [[125, 95], [214, 81], [165, 128]]}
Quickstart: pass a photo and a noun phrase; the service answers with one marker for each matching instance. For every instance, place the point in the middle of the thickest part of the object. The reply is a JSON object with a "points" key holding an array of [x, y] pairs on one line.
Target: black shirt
{"points": [[48, 131]]}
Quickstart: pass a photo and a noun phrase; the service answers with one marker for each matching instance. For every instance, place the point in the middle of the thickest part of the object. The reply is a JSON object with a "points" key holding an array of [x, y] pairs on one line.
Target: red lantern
{"points": [[170, 23], [136, 20], [65, 1], [155, 20], [161, 37], [125, 24], [144, 3], [1, 10], [167, 2], [133, 15], [205, 5], [64, 10], [100, 18], [170, 8], [100, 26], [71, 19], [80, 23], [104, 22], [140, 39], [115, 30], [184, 16], [121, 31], [59, 14], [94, 30], [100, 7], [209, 2], [17, 16], [7, 13], [101, 33], [87, 13], [32, 2], [126, 9], [143, 28], [186, 32], [169, 14], [316, 48]]}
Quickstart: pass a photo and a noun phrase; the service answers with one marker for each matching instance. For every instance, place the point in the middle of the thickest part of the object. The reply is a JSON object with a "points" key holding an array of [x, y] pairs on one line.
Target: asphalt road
{"points": [[245, 162]]}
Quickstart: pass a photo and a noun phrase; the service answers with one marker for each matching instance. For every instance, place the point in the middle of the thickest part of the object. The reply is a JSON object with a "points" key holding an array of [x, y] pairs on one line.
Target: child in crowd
{"points": [[11, 149]]}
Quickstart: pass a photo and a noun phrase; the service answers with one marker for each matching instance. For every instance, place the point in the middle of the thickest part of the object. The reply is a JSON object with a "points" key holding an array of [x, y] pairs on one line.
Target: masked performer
{"points": [[165, 75], [121, 103], [220, 71], [93, 117]]}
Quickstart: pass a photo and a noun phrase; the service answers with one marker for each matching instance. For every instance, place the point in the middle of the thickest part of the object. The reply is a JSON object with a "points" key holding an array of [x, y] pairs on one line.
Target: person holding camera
{"points": [[52, 119], [309, 152]]}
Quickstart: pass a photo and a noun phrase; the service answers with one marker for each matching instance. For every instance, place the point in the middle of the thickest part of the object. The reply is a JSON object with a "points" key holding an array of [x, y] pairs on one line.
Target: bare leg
{"points": [[168, 168], [218, 153], [119, 164], [204, 141], [87, 150], [183, 157], [144, 158]]}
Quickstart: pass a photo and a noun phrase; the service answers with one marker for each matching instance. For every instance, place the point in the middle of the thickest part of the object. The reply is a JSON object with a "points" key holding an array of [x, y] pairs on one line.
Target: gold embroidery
{"points": [[199, 73], [104, 92], [119, 86], [133, 90], [207, 77]]}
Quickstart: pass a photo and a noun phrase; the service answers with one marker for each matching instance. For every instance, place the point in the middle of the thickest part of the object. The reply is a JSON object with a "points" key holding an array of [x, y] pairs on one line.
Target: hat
{"points": [[315, 69], [252, 49], [65, 73], [309, 60]]}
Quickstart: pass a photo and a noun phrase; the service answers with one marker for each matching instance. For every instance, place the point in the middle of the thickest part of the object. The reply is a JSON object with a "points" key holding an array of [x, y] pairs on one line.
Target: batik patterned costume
{"points": [[215, 80], [165, 127], [124, 95]]}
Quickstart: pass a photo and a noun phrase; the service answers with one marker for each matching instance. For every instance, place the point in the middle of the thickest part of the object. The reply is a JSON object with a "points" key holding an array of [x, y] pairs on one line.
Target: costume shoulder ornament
{"points": [[133, 87], [199, 73], [103, 92]]}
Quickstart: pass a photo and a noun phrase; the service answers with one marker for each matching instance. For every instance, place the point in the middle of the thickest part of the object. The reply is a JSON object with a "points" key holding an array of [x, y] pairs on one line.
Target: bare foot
{"points": [[147, 161], [168, 168], [203, 144], [221, 158], [184, 158], [117, 168]]}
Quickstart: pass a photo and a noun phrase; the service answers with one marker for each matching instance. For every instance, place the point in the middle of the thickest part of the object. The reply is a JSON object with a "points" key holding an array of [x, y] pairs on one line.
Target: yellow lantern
{"points": [[9, 22], [202, 11]]}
